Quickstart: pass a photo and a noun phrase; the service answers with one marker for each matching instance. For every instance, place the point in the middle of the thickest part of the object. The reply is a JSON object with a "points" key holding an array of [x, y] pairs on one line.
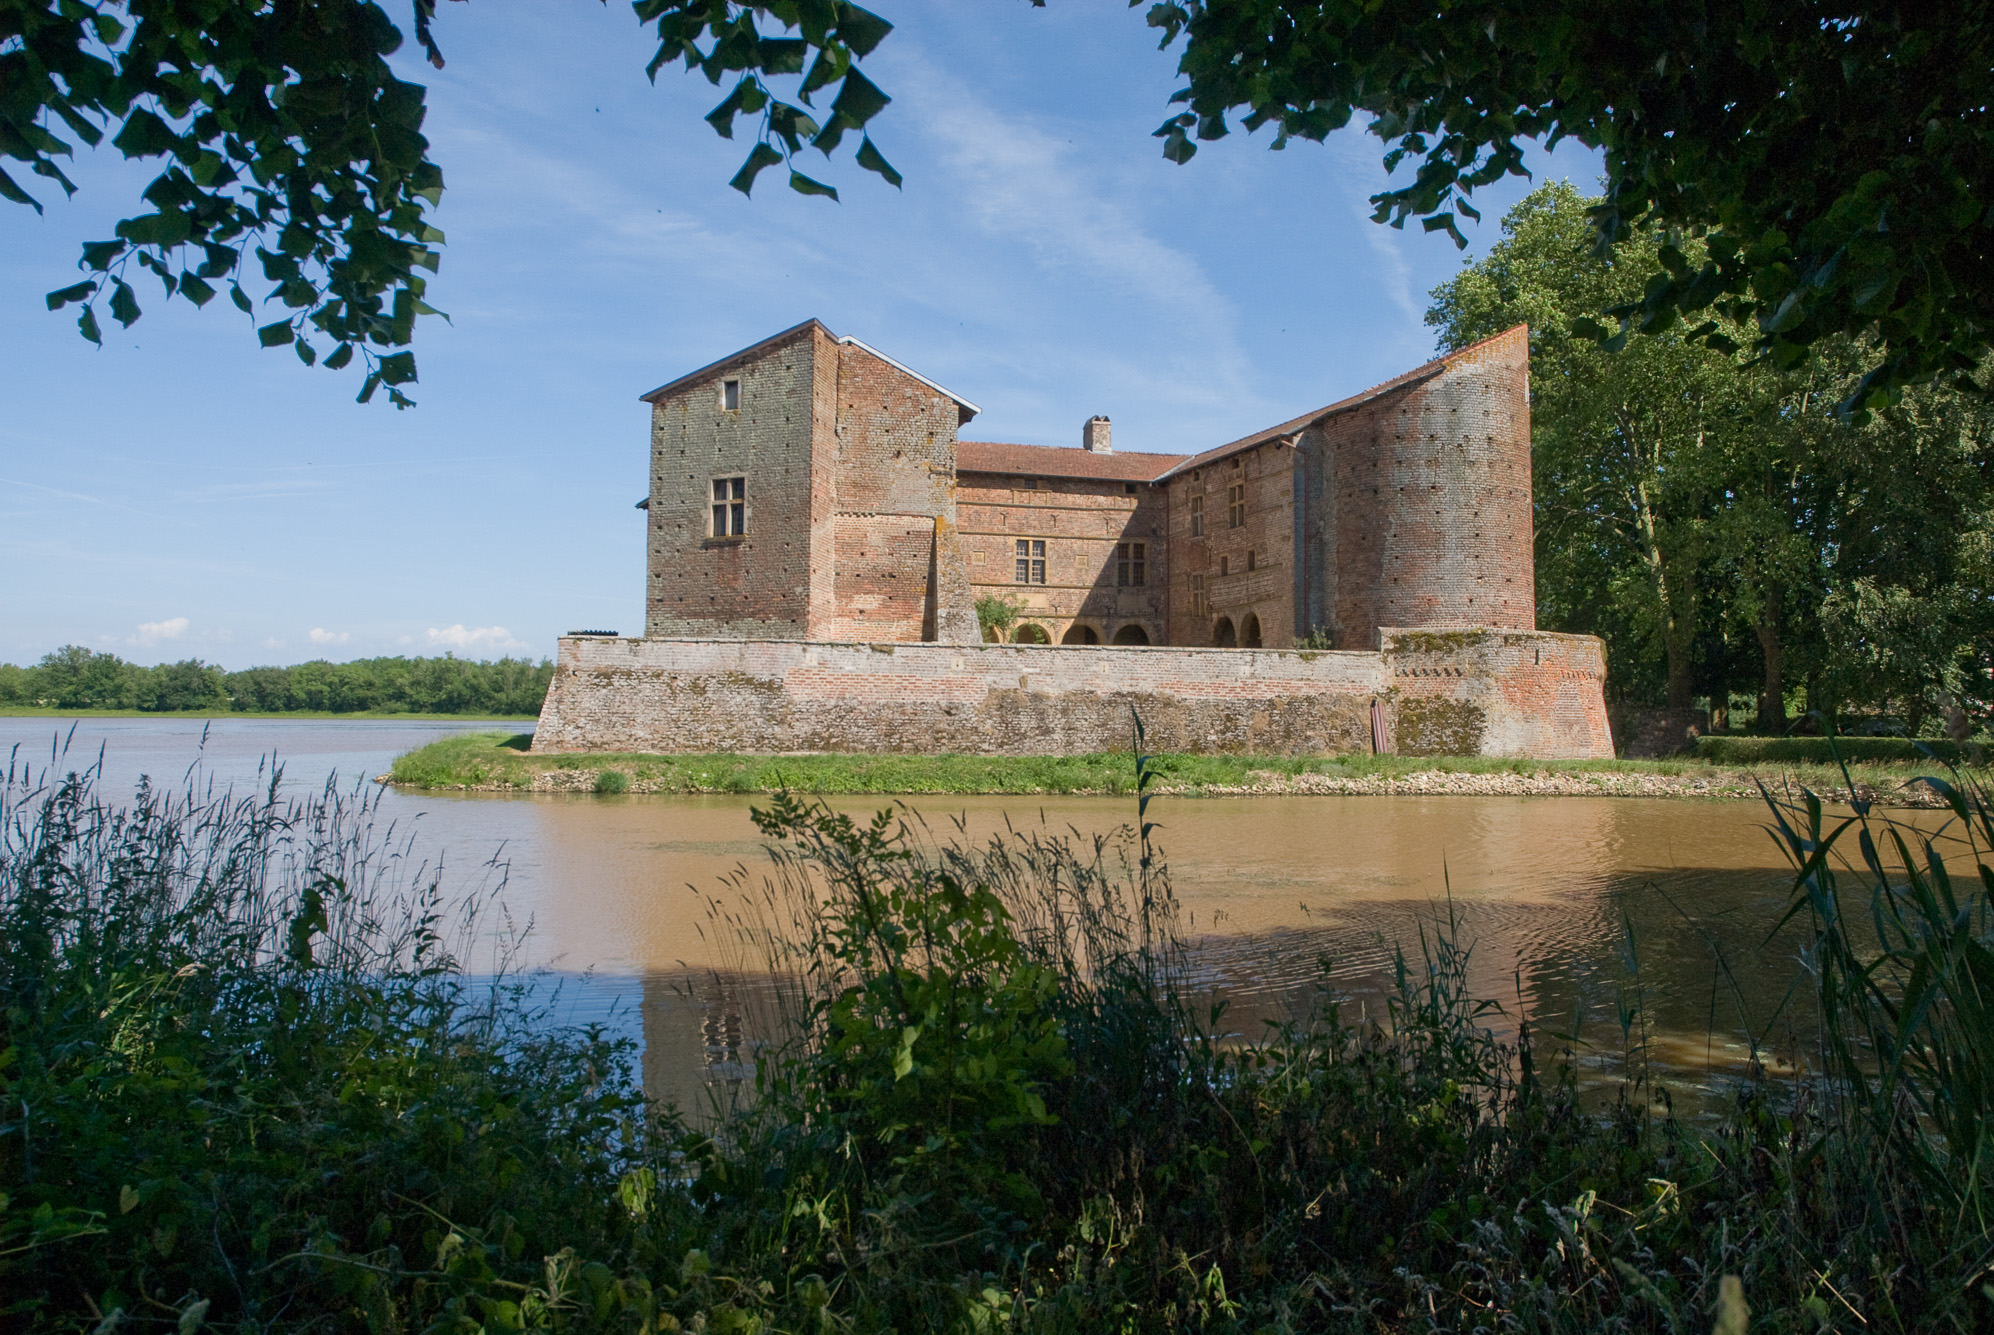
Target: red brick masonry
{"points": [[1443, 691]]}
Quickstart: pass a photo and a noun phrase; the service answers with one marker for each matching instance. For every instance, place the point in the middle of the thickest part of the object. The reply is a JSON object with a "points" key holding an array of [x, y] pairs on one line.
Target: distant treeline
{"points": [[77, 678]]}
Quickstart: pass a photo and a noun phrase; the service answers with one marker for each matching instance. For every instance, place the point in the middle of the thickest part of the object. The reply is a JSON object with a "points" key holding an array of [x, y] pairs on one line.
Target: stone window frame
{"points": [[1235, 505], [727, 510], [1131, 564], [1251, 562], [1030, 556], [1199, 605], [730, 396], [1198, 516]]}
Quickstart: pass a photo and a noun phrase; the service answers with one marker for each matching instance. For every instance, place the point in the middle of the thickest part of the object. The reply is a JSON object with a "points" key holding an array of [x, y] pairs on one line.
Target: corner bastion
{"points": [[1431, 691]]}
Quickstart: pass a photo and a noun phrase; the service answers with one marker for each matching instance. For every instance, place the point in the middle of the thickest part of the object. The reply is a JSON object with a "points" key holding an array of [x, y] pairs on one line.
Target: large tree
{"points": [[1632, 451], [1834, 156], [1688, 498]]}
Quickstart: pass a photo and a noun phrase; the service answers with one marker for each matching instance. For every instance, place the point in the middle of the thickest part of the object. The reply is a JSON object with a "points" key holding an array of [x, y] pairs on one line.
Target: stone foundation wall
{"points": [[1504, 693]]}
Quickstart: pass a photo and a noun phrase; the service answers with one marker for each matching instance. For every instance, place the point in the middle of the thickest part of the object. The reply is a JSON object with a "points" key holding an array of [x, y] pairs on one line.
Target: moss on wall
{"points": [[1430, 726]]}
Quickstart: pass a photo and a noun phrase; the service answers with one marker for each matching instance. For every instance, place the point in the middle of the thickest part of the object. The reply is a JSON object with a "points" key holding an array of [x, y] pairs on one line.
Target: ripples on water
{"points": [[1549, 891]]}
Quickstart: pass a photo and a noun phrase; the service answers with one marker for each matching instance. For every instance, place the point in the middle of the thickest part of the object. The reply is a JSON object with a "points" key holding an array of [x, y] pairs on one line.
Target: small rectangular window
{"points": [[1198, 606], [1129, 487], [1235, 505], [1028, 484], [730, 507], [730, 395], [1129, 564], [1197, 516], [1031, 561], [1249, 558], [1225, 565]]}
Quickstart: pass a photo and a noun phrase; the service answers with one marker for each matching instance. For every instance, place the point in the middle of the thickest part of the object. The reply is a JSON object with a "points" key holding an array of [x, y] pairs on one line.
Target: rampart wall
{"points": [[1471, 691]]}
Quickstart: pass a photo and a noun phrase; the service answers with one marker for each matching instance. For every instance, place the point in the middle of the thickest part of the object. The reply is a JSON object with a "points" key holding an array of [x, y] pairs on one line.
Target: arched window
{"points": [[1249, 632], [1223, 636], [1030, 634], [1080, 633], [1132, 634]]}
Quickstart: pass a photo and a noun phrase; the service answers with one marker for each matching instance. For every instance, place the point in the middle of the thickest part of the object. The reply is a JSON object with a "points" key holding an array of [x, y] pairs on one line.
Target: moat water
{"points": [[1568, 903]]}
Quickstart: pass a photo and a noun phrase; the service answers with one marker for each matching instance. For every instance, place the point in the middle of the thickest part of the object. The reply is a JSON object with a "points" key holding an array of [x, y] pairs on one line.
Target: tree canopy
{"points": [[1811, 170], [1714, 521]]}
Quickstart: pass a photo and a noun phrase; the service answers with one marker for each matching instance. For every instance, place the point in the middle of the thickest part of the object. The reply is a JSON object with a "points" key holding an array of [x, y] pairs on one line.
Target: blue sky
{"points": [[182, 493]]}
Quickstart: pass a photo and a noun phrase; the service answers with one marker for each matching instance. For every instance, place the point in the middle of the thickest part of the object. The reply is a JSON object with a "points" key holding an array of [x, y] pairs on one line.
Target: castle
{"points": [[818, 539]]}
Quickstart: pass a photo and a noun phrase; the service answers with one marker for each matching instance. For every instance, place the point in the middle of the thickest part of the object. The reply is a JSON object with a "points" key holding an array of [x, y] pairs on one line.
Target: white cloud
{"points": [[152, 632], [322, 636], [481, 637]]}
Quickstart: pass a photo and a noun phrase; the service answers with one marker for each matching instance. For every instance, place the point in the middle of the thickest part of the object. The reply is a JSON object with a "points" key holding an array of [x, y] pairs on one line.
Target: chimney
{"points": [[1094, 436]]}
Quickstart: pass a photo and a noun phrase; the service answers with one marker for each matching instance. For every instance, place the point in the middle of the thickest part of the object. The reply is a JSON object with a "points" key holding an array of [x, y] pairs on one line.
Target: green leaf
{"points": [[870, 159], [63, 296], [782, 55], [196, 290], [145, 135], [276, 334], [98, 255], [763, 156], [10, 190], [858, 101], [861, 29], [240, 298], [341, 355], [306, 352], [397, 369], [86, 324], [124, 304], [803, 185]]}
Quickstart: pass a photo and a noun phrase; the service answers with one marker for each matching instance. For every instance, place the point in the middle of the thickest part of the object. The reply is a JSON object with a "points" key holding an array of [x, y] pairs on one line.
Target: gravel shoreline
{"points": [[1421, 783]]}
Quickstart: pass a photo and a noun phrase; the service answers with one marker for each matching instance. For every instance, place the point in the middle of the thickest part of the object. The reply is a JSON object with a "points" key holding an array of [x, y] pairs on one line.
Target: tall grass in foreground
{"points": [[246, 1083]]}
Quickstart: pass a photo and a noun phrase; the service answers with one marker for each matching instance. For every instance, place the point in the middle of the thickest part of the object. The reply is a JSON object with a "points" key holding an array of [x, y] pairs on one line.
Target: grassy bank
{"points": [[32, 711], [500, 762], [246, 1086]]}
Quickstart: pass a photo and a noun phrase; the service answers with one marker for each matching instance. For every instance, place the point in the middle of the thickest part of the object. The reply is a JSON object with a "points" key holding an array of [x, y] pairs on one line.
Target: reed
{"points": [[265, 1069]]}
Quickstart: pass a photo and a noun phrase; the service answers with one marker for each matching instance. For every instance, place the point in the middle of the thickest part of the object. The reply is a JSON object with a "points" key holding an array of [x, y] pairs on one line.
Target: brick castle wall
{"points": [[849, 470], [758, 584], [1081, 521], [1487, 692], [1245, 573], [1417, 505]]}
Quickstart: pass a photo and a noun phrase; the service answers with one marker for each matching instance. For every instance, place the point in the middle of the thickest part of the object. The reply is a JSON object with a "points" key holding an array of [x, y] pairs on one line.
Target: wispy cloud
{"points": [[320, 635], [152, 632], [481, 637]]}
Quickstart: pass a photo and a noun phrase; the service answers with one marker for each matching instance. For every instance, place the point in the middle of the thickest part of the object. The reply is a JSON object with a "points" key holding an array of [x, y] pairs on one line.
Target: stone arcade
{"points": [[818, 538]]}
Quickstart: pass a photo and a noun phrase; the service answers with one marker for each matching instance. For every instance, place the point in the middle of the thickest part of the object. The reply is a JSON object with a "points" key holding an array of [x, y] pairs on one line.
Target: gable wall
{"points": [[757, 586], [893, 475]]}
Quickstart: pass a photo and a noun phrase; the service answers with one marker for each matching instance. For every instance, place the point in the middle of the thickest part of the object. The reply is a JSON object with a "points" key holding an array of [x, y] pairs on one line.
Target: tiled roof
{"points": [[1309, 419], [990, 456]]}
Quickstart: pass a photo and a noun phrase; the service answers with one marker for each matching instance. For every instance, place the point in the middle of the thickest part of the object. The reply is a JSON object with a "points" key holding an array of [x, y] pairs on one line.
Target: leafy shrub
{"points": [[612, 781], [246, 1083]]}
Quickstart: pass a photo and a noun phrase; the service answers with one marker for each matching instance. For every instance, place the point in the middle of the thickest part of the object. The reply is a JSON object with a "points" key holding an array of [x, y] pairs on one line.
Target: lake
{"points": [[1568, 902]]}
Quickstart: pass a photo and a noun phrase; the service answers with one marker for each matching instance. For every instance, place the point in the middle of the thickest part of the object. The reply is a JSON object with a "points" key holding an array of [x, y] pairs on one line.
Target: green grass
{"points": [[35, 711], [500, 761], [1824, 750]]}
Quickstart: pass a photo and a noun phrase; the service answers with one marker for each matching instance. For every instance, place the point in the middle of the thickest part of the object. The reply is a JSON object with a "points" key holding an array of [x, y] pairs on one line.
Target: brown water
{"points": [[1567, 902]]}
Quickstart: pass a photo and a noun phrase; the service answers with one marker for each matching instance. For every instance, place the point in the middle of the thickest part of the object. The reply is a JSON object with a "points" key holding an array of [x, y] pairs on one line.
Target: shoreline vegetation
{"points": [[497, 762], [307, 715], [265, 1069], [76, 680]]}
